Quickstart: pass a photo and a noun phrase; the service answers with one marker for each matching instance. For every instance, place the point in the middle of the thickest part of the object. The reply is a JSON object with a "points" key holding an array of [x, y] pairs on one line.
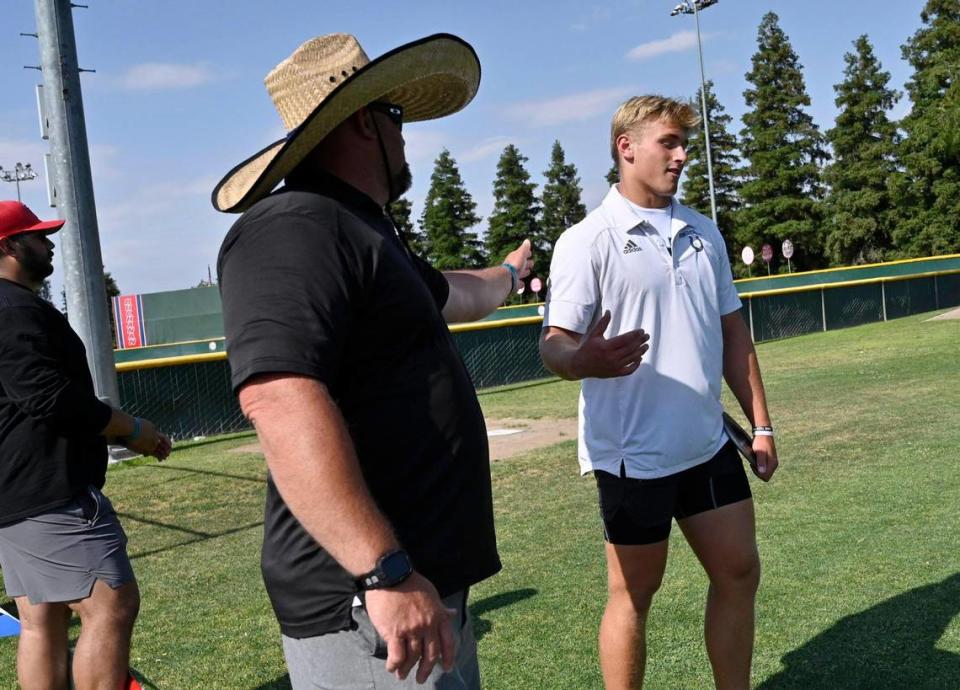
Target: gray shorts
{"points": [[57, 556], [356, 659]]}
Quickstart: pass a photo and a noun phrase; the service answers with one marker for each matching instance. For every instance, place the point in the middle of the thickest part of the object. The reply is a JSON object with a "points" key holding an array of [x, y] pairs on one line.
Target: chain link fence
{"points": [[193, 398]]}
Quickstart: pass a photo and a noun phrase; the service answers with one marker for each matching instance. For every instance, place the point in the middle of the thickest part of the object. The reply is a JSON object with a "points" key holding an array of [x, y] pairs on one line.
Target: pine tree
{"points": [[613, 175], [401, 210], [783, 148], [515, 207], [44, 291], [448, 212], [696, 186], [561, 204], [859, 211], [927, 191]]}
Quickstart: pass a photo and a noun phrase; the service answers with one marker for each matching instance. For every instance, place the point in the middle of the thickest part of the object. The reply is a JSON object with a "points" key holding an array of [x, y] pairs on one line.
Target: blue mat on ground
{"points": [[9, 626]]}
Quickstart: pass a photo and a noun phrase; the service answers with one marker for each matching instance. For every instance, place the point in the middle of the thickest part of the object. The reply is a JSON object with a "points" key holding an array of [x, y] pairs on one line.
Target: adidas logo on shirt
{"points": [[631, 247]]}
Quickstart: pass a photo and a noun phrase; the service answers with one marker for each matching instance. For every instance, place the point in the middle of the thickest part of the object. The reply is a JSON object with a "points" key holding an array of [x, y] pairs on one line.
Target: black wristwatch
{"points": [[392, 568]]}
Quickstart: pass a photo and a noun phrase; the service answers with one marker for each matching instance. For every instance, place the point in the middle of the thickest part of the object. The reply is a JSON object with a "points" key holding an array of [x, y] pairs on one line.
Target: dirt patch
{"points": [[507, 437], [953, 314]]}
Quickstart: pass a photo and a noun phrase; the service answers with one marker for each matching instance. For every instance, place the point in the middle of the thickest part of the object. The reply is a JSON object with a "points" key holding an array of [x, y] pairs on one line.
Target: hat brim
{"points": [[433, 77]]}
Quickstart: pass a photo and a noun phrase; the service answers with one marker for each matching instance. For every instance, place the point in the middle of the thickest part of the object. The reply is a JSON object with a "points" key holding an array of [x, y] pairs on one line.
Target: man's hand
{"points": [[520, 259], [416, 625], [150, 441], [598, 357], [765, 450]]}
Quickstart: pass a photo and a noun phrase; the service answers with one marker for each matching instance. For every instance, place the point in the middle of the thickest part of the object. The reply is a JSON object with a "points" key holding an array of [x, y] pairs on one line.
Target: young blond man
{"points": [[642, 308]]}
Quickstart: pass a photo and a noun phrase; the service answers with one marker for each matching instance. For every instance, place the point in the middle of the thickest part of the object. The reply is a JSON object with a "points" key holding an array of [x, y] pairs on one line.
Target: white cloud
{"points": [[677, 43], [485, 149], [597, 15], [157, 76], [162, 236], [573, 108], [422, 145]]}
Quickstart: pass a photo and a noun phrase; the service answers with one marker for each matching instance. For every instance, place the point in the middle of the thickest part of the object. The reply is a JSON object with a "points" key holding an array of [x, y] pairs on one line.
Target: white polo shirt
{"points": [[666, 416]]}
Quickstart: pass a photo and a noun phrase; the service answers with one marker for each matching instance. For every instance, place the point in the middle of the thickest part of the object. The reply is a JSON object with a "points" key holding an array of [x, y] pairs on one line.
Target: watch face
{"points": [[396, 566]]}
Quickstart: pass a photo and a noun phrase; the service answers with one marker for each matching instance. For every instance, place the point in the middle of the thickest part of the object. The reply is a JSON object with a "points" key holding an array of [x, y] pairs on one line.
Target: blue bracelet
{"points": [[137, 428], [514, 278]]}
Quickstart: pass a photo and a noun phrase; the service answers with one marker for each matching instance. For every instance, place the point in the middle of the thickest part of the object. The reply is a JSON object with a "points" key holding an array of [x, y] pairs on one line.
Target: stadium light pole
{"points": [[693, 7], [20, 173]]}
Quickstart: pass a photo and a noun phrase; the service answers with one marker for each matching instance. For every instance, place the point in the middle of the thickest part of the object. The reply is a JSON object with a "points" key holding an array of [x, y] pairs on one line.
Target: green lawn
{"points": [[859, 534]]}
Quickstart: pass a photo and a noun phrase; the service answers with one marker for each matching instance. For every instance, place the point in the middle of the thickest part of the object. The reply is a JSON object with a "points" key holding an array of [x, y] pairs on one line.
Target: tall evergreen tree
{"points": [[613, 175], [927, 191], [515, 207], [859, 214], [784, 149], [401, 210], [561, 204], [448, 212], [696, 185]]}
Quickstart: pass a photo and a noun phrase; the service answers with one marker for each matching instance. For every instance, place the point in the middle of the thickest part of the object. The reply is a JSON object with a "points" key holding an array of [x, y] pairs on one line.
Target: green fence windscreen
{"points": [[179, 315], [195, 399], [887, 270]]}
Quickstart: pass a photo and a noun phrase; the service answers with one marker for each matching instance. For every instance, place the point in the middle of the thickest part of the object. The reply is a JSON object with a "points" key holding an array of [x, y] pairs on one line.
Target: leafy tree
{"points": [[44, 291], [783, 148], [927, 191], [401, 210], [515, 207], [561, 204], [696, 186], [448, 212], [859, 213]]}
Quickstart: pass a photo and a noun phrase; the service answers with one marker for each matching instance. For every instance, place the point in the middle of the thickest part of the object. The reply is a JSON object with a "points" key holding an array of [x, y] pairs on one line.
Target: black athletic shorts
{"points": [[640, 511]]}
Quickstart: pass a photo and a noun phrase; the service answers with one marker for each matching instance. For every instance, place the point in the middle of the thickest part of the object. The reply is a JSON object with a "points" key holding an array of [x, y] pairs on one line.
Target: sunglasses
{"points": [[391, 110]]}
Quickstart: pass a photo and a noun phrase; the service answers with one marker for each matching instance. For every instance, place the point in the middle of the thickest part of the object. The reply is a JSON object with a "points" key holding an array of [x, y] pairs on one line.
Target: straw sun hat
{"points": [[329, 78]]}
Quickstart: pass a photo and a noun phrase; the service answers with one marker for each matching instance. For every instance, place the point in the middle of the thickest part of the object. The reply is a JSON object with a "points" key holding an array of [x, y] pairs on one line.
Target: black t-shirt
{"points": [[315, 282], [50, 417]]}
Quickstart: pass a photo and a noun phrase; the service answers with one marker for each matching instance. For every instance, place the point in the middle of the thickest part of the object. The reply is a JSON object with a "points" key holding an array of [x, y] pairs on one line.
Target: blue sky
{"points": [[178, 98]]}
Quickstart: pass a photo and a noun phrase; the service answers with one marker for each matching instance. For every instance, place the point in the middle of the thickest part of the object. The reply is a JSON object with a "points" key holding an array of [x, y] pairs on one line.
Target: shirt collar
{"points": [[623, 218], [331, 186]]}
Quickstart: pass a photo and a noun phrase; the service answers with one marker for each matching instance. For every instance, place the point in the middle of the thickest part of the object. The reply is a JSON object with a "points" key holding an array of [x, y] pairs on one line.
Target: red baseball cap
{"points": [[16, 218]]}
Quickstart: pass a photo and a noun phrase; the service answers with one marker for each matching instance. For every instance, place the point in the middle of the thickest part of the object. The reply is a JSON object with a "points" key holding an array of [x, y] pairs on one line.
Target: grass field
{"points": [[859, 535]]}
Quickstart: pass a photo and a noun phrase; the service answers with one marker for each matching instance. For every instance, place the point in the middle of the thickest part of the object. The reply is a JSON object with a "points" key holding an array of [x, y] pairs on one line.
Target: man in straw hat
{"points": [[62, 548], [643, 309], [379, 514]]}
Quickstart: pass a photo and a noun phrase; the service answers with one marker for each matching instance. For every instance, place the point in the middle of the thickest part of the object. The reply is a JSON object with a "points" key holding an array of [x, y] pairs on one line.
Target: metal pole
{"points": [[706, 120], [79, 239]]}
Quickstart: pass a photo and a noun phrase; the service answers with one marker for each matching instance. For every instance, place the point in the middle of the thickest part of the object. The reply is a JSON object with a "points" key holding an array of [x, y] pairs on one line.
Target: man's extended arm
{"points": [[314, 466], [741, 370], [476, 293]]}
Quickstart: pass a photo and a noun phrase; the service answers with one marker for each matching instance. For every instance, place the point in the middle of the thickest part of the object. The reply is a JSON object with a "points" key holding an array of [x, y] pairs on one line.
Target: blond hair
{"points": [[640, 110]]}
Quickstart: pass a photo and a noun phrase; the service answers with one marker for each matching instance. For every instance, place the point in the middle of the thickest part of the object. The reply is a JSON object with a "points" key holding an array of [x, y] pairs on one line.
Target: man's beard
{"points": [[35, 264], [400, 183]]}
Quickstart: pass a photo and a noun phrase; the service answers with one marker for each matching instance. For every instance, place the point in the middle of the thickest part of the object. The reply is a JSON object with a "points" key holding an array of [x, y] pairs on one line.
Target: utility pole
{"points": [[70, 158], [693, 7]]}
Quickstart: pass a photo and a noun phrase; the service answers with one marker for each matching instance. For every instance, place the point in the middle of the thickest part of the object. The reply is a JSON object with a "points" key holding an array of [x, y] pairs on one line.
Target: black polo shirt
{"points": [[50, 417], [315, 282]]}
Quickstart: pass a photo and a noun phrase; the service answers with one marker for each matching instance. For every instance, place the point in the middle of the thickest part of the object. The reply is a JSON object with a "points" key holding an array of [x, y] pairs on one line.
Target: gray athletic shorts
{"points": [[356, 659], [58, 555]]}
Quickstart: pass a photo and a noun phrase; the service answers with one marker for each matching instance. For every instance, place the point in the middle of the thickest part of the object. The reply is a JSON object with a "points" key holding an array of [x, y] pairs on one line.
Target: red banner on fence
{"points": [[128, 314]]}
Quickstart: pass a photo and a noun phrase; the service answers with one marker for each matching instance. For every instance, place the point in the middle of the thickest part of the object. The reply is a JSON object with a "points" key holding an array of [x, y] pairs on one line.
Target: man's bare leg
{"points": [[101, 659], [42, 649], [634, 574], [725, 542]]}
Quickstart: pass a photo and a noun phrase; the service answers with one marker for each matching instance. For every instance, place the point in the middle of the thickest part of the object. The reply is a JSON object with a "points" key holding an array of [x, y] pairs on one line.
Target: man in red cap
{"points": [[62, 548]]}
